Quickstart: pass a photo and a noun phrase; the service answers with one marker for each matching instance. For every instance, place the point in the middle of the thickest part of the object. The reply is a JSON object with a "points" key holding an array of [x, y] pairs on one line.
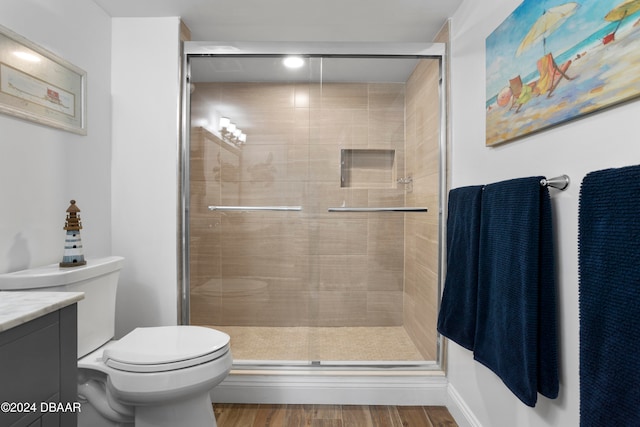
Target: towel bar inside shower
{"points": [[333, 209], [255, 208], [378, 209]]}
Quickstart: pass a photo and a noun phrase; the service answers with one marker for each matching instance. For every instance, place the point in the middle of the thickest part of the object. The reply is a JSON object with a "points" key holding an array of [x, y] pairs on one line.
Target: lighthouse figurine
{"points": [[73, 256]]}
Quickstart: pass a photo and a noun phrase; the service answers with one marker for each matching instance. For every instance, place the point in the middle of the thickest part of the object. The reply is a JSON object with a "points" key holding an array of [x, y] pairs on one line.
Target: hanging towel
{"points": [[609, 261], [457, 316], [516, 320]]}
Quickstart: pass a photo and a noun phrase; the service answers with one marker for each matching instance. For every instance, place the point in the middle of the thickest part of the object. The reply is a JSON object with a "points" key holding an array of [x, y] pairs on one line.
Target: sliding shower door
{"points": [[314, 207]]}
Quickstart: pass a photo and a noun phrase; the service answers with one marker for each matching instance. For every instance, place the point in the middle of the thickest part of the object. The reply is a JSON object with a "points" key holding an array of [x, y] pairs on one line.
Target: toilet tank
{"points": [[98, 279]]}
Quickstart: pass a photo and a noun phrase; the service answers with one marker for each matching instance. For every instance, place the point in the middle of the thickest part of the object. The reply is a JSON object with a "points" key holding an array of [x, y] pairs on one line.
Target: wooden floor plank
{"points": [[385, 416], [296, 416], [413, 416], [324, 412], [326, 423], [356, 416], [237, 415], [269, 416], [440, 416]]}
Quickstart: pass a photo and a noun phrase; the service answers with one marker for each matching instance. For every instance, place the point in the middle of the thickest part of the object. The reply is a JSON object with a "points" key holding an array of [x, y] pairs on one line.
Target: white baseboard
{"points": [[344, 389], [332, 389], [459, 410]]}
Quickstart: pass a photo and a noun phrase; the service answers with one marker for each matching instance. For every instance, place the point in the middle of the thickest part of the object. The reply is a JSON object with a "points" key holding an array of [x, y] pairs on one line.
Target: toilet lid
{"points": [[165, 348]]}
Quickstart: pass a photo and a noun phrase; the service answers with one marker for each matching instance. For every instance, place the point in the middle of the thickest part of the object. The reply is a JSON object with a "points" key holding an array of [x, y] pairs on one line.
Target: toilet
{"points": [[153, 376]]}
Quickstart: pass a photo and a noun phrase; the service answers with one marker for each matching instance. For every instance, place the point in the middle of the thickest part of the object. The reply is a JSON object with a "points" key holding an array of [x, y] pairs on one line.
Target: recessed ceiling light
{"points": [[293, 62]]}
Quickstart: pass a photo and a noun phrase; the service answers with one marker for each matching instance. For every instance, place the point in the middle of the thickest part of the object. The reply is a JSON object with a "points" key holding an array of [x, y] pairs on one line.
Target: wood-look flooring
{"points": [[236, 415]]}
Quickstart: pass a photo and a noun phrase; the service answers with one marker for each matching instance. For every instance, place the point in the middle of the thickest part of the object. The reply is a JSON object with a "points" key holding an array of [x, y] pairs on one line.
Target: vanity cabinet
{"points": [[38, 371]]}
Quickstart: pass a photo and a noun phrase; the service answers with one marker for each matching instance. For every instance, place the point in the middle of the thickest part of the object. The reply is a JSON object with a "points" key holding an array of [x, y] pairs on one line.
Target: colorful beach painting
{"points": [[552, 61]]}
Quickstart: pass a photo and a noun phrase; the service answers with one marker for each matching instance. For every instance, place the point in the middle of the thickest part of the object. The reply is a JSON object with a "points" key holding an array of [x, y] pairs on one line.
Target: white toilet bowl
{"points": [[158, 376]]}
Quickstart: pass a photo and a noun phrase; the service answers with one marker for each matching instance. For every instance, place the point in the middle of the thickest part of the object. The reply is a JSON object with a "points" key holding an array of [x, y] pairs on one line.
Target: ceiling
{"points": [[297, 20], [371, 21], [396, 21]]}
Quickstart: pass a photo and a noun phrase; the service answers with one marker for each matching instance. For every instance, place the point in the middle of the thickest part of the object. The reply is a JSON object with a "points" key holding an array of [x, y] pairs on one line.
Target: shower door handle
{"points": [[255, 208], [380, 209]]}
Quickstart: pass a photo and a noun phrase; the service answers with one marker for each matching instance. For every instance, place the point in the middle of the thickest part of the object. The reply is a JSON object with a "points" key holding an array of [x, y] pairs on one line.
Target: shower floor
{"points": [[352, 344]]}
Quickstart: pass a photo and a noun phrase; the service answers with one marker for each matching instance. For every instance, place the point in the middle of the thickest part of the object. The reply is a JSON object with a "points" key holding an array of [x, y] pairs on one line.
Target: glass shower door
{"points": [[250, 272], [314, 238], [359, 212]]}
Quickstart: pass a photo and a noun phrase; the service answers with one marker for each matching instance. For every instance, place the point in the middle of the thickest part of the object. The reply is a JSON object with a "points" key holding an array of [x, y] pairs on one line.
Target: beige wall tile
{"points": [[421, 236], [318, 268]]}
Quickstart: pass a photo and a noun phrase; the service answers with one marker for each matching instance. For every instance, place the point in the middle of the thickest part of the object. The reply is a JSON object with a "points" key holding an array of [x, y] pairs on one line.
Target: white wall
{"points": [[135, 60], [607, 139], [145, 89], [42, 168]]}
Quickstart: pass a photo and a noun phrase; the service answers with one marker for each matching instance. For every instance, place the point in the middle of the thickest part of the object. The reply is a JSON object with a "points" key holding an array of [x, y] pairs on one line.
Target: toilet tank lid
{"points": [[54, 275], [165, 344]]}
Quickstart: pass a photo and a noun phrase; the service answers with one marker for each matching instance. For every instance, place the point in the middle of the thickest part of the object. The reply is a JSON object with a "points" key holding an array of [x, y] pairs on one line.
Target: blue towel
{"points": [[457, 316], [516, 321], [609, 260]]}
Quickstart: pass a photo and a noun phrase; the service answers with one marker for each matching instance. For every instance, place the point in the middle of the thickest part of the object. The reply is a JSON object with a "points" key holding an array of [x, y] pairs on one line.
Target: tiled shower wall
{"points": [[315, 268], [421, 231]]}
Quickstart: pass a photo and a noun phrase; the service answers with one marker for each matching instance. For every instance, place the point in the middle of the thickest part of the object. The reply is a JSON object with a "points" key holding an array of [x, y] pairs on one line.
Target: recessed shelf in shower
{"points": [[367, 168]]}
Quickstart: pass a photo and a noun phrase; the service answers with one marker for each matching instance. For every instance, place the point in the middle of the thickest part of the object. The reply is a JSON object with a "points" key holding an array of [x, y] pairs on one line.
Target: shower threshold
{"points": [[335, 366]]}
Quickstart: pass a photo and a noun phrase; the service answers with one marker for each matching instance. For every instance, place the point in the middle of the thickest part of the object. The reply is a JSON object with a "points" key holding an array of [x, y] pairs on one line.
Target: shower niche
{"points": [[367, 168], [293, 279]]}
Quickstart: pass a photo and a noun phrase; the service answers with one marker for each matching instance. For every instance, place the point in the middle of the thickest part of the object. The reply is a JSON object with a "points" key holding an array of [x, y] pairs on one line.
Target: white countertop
{"points": [[18, 307]]}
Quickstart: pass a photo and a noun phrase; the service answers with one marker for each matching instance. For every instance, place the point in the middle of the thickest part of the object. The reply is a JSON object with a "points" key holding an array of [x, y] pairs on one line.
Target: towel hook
{"points": [[560, 182]]}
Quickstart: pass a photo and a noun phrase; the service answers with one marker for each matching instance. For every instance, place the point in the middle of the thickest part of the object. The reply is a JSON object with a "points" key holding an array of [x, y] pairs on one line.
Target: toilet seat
{"points": [[165, 348]]}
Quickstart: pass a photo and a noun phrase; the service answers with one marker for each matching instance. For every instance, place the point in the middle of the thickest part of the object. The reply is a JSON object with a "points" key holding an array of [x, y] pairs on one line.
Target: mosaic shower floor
{"points": [[366, 344]]}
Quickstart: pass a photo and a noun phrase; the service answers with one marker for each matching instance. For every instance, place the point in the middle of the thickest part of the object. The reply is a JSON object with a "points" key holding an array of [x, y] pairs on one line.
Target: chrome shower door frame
{"points": [[318, 49]]}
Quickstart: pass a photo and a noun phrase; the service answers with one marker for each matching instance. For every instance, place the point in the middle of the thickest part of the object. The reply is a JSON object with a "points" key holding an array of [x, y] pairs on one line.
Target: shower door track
{"points": [[311, 49], [399, 365]]}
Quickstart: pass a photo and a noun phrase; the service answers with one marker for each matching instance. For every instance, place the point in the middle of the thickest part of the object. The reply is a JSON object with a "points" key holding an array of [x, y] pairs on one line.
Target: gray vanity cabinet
{"points": [[38, 371]]}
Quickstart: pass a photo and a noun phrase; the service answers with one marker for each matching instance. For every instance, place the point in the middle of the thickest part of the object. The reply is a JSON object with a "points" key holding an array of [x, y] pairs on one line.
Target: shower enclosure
{"points": [[312, 197]]}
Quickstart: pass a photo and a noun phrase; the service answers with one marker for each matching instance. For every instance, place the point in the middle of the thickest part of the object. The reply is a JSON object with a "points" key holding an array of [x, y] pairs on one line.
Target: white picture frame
{"points": [[39, 86]]}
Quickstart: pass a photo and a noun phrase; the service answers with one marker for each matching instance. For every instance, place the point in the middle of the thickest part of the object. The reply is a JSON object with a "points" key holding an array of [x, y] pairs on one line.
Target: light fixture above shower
{"points": [[230, 132]]}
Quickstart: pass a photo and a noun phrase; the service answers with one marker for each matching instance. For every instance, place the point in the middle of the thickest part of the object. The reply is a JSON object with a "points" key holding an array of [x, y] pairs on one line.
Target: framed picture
{"points": [[39, 86], [552, 61]]}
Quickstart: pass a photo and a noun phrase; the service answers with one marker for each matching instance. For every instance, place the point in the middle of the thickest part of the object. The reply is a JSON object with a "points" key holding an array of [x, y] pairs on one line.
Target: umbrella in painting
{"points": [[550, 72], [550, 21], [618, 14]]}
